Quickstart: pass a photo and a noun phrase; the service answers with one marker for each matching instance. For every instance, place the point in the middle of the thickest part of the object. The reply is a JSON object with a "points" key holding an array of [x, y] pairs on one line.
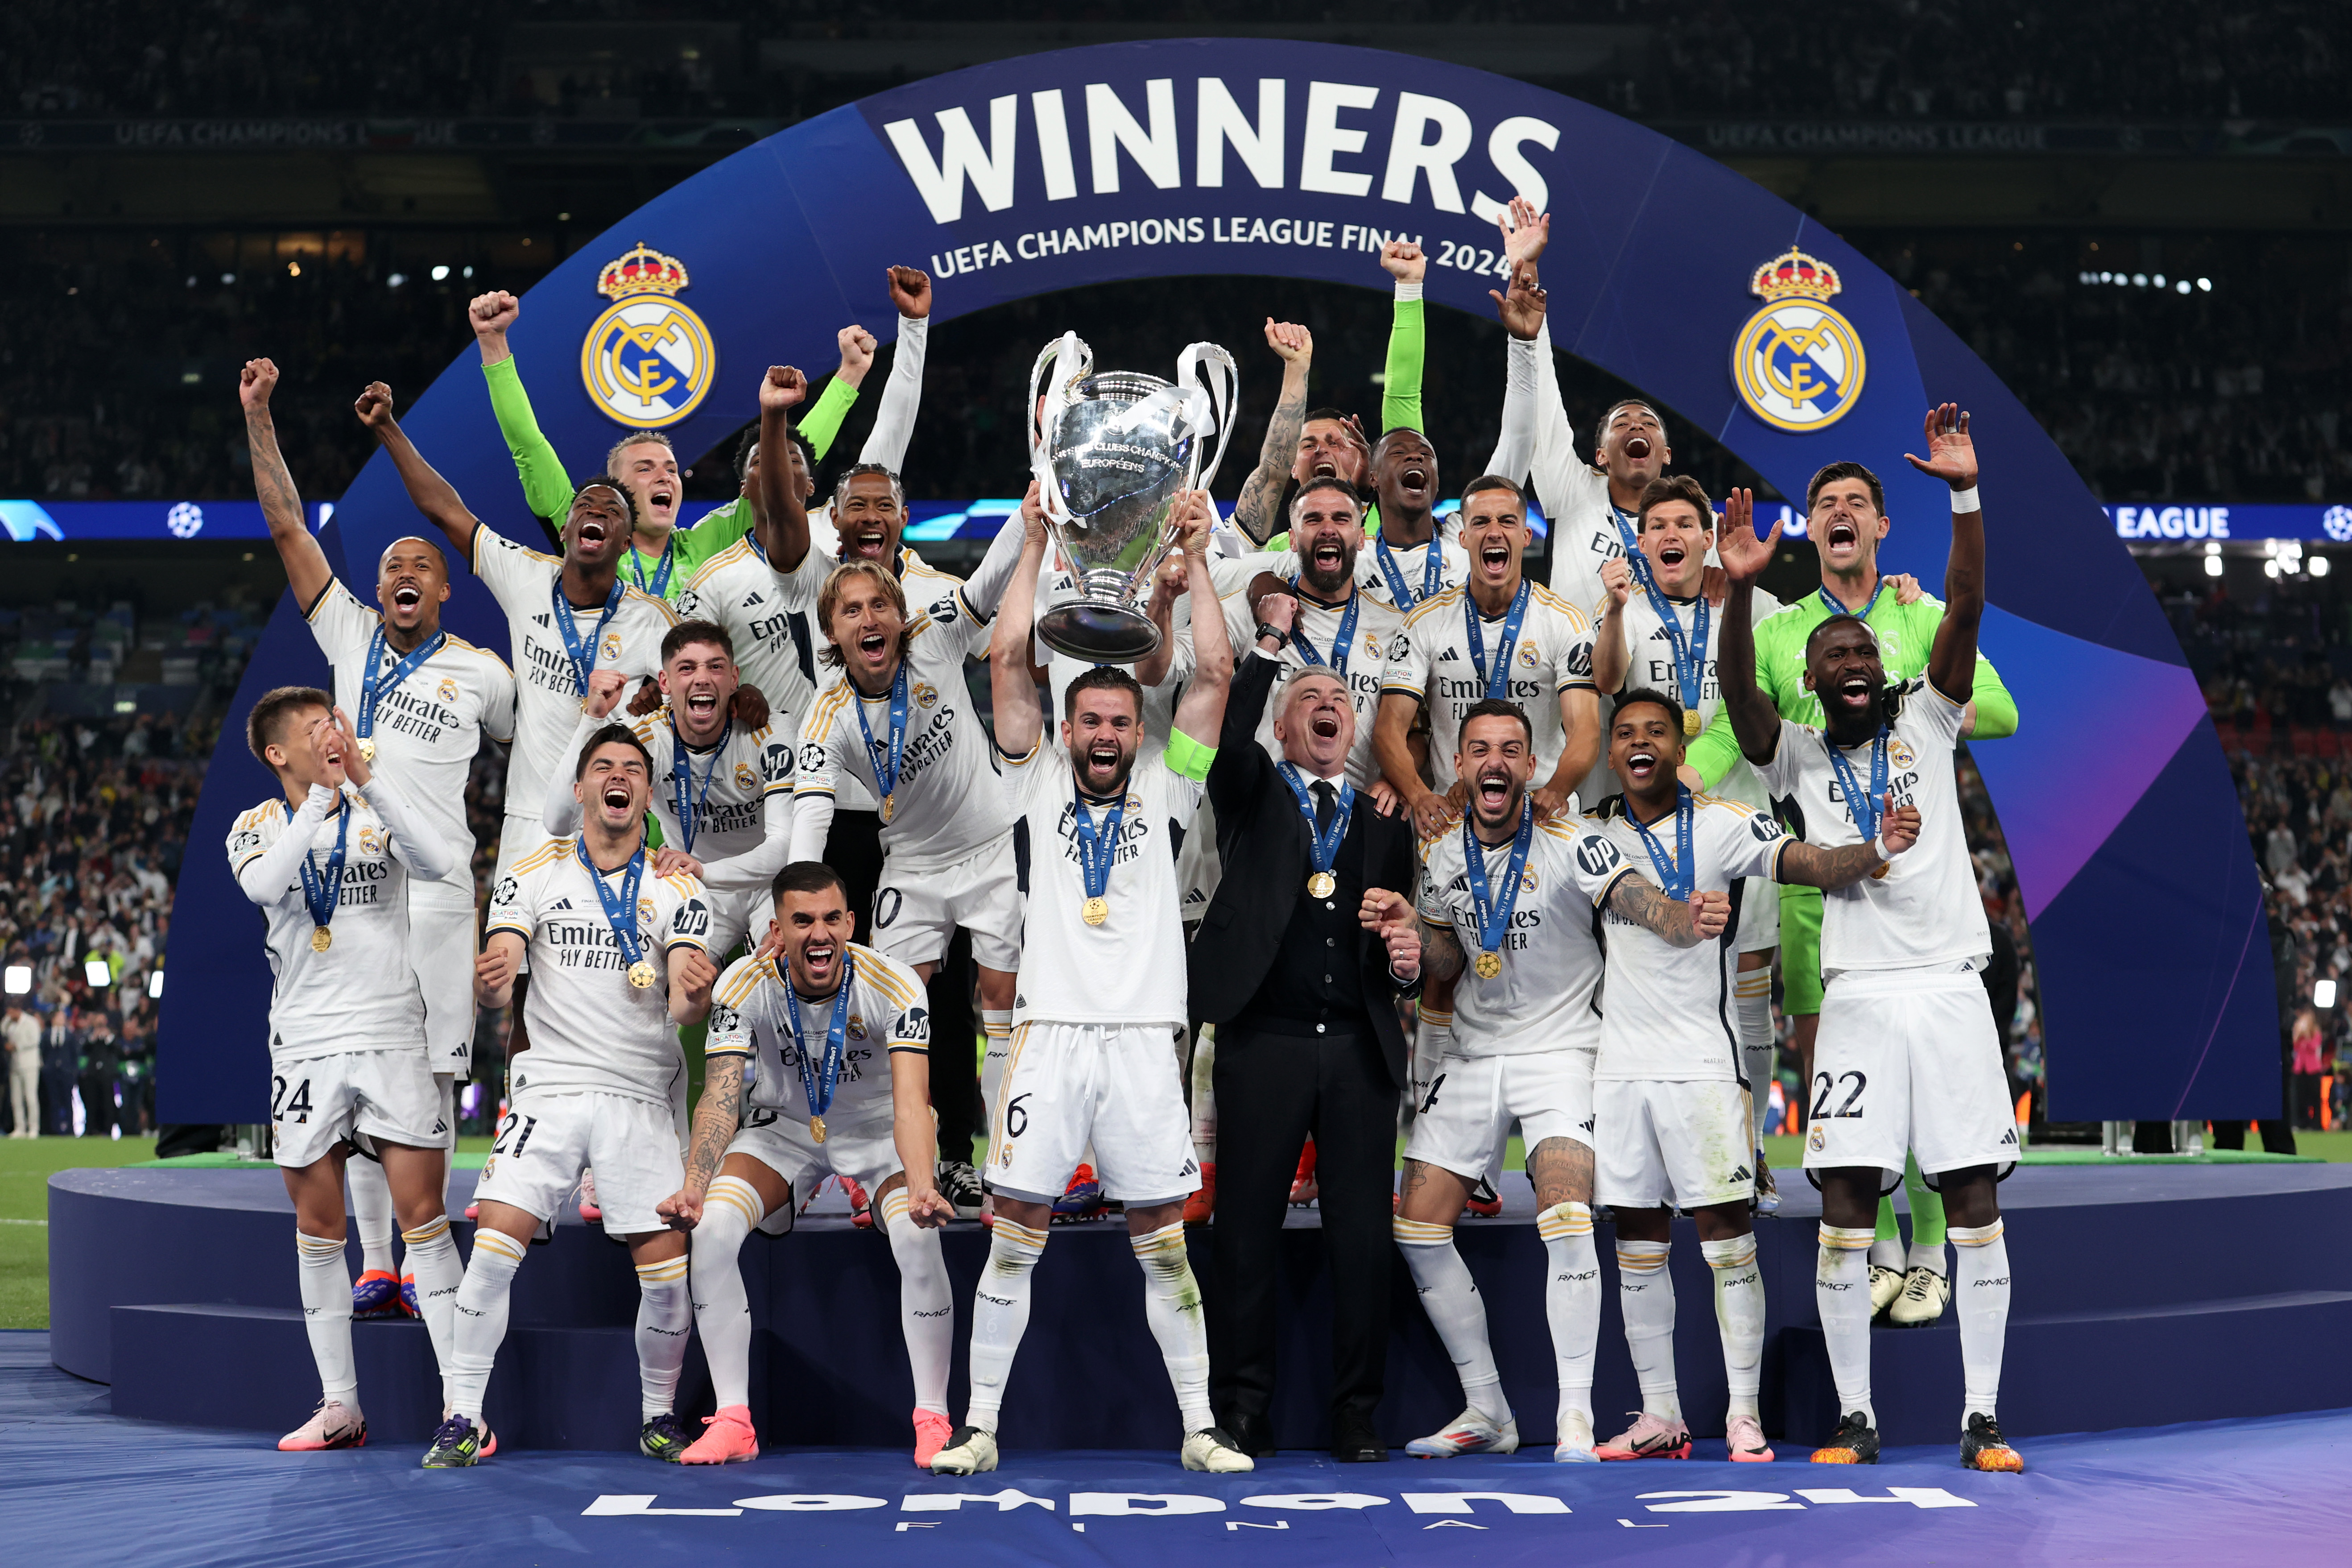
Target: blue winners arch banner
{"points": [[1290, 160]]}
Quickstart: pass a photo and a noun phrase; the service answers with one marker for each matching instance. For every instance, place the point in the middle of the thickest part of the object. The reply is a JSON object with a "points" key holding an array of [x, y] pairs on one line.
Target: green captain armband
{"points": [[1187, 758]]}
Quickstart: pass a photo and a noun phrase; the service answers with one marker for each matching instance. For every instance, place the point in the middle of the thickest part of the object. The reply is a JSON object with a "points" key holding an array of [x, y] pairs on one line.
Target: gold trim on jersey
{"points": [[552, 850], [483, 530]]}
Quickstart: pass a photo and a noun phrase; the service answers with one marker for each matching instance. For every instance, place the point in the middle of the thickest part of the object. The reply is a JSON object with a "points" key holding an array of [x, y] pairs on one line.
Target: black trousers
{"points": [[1272, 1091]]}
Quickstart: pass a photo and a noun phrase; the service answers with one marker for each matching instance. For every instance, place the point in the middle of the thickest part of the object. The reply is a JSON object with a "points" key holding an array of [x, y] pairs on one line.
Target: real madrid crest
{"points": [[1798, 364], [647, 361]]}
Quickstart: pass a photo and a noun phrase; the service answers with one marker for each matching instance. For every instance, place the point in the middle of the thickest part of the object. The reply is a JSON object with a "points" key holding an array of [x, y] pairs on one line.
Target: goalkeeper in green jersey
{"points": [[1845, 517]]}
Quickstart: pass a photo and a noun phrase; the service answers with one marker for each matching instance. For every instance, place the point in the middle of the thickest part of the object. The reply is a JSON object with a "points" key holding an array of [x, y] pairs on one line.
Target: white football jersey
{"points": [[887, 1012], [1361, 662], [427, 728], [1412, 564], [1667, 1011], [740, 789], [1650, 661], [1429, 659], [1925, 909], [946, 802], [1130, 969], [589, 1029], [1545, 997], [548, 687], [361, 994]]}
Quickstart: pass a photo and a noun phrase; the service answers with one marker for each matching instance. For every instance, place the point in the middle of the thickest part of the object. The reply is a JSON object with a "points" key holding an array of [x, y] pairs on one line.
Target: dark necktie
{"points": [[1325, 800]]}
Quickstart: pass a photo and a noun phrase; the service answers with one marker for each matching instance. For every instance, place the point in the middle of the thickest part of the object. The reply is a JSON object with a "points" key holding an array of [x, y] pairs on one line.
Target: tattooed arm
{"points": [[1809, 865], [307, 572], [1441, 958], [1681, 925], [716, 1116], [1254, 513]]}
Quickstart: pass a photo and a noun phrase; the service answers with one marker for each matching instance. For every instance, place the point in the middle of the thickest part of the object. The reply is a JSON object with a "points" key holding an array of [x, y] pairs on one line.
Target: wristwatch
{"points": [[1276, 633]]}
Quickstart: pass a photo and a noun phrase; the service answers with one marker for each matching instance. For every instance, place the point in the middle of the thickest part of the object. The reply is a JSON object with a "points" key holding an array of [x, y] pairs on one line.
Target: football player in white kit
{"points": [[1655, 628], [1498, 900], [421, 700], [722, 784], [603, 933], [330, 865], [1103, 995], [792, 1092], [1907, 1055], [1669, 1103]]}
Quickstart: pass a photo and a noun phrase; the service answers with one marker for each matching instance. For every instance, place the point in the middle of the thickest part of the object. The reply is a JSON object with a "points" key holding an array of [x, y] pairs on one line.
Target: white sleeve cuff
{"points": [[1407, 291]]}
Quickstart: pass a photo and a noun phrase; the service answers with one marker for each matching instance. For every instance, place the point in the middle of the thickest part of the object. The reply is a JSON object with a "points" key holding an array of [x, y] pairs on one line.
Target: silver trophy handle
{"points": [[1056, 379], [1221, 387]]}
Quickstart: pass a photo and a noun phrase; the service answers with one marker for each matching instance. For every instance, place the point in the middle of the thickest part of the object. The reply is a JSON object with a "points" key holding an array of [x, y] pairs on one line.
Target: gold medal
{"points": [[1094, 911], [1322, 885], [1878, 872], [641, 974], [1690, 723], [1489, 965], [367, 748], [816, 1128], [322, 938], [889, 806]]}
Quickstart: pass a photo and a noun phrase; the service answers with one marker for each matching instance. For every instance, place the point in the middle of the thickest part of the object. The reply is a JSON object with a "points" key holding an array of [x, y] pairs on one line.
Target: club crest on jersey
{"points": [[611, 644], [1797, 363], [370, 845], [1900, 754], [1818, 1139], [447, 690], [743, 776], [1527, 883], [857, 1025], [647, 359], [644, 911], [926, 694], [1527, 657]]}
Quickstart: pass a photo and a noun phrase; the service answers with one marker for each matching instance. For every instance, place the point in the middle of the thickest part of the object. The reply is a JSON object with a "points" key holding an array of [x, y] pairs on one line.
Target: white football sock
{"points": [[722, 1308], [1928, 1257], [432, 1256], [326, 1281], [1752, 991], [1000, 1315], [1842, 1292], [1886, 1252], [1450, 1296], [1205, 1096], [1645, 1294], [1572, 1306], [370, 1213], [996, 1027], [1739, 1316], [481, 1322], [1982, 1288], [1171, 1305], [665, 1317], [925, 1302]]}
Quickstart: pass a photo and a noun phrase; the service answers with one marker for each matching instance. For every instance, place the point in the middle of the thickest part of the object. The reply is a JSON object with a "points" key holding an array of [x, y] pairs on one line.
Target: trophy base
{"points": [[1097, 631]]}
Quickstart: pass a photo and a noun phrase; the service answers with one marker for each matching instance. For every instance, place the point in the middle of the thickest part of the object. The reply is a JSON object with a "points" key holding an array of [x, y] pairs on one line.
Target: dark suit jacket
{"points": [[1262, 838]]}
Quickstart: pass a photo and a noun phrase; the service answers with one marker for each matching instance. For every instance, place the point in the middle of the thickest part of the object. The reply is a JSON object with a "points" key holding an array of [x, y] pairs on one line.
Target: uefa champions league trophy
{"points": [[1110, 450]]}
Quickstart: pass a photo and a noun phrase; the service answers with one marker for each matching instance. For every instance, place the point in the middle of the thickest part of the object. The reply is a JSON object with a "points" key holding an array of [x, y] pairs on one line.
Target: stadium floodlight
{"points": [[2322, 994], [94, 969], [2316, 566], [2205, 285], [19, 979], [155, 986], [2212, 566], [440, 274], [2180, 286]]}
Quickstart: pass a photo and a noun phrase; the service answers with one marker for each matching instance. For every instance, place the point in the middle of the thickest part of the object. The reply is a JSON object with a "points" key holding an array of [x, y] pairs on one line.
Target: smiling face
{"points": [[1329, 449], [1317, 725], [597, 529], [1496, 761], [1843, 668], [412, 583], [648, 471], [868, 517], [1404, 472], [614, 786], [1676, 539], [867, 627], [699, 680], [1326, 530], [1645, 748], [815, 928], [1845, 525], [1495, 533], [1102, 735], [307, 742], [1633, 450]]}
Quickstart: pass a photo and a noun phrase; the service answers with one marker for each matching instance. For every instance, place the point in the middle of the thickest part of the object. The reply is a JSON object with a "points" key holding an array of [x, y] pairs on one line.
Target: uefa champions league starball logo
{"points": [[186, 519], [2337, 522]]}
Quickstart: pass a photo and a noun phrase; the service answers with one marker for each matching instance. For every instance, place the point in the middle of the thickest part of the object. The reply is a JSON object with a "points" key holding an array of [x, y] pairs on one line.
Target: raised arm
{"points": [[431, 494], [1012, 687], [1755, 722], [1522, 312], [1611, 656], [782, 506], [1408, 337], [307, 572], [1200, 712], [546, 488], [1952, 457], [1257, 512], [265, 877], [560, 811], [902, 395]]}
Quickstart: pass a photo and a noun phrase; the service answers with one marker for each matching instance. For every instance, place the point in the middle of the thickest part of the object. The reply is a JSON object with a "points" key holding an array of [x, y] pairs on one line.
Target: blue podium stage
{"points": [[177, 1286]]}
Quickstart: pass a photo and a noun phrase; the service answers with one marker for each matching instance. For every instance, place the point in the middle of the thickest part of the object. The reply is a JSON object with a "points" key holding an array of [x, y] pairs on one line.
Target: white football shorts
{"points": [[917, 908], [1464, 1116], [865, 1153], [1759, 915], [388, 1096], [1908, 1058], [548, 1138], [1671, 1145], [1114, 1085]]}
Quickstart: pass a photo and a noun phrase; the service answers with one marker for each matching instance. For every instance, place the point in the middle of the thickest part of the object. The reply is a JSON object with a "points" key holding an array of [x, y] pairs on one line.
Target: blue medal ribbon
{"points": [[321, 893], [1097, 847], [1675, 876], [1863, 808], [378, 681], [621, 910], [659, 586], [885, 761], [819, 1085], [1830, 602], [681, 781], [1496, 681], [1432, 569], [1689, 647], [1322, 848], [584, 655], [1630, 536], [1494, 912], [1341, 645]]}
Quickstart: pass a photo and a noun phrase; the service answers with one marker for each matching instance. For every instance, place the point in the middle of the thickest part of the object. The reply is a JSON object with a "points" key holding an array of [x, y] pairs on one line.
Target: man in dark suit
{"points": [[1304, 996]]}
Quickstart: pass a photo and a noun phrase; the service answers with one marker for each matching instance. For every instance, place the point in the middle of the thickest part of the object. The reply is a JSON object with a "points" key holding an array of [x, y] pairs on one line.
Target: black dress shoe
{"points": [[1353, 1442], [1250, 1435]]}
